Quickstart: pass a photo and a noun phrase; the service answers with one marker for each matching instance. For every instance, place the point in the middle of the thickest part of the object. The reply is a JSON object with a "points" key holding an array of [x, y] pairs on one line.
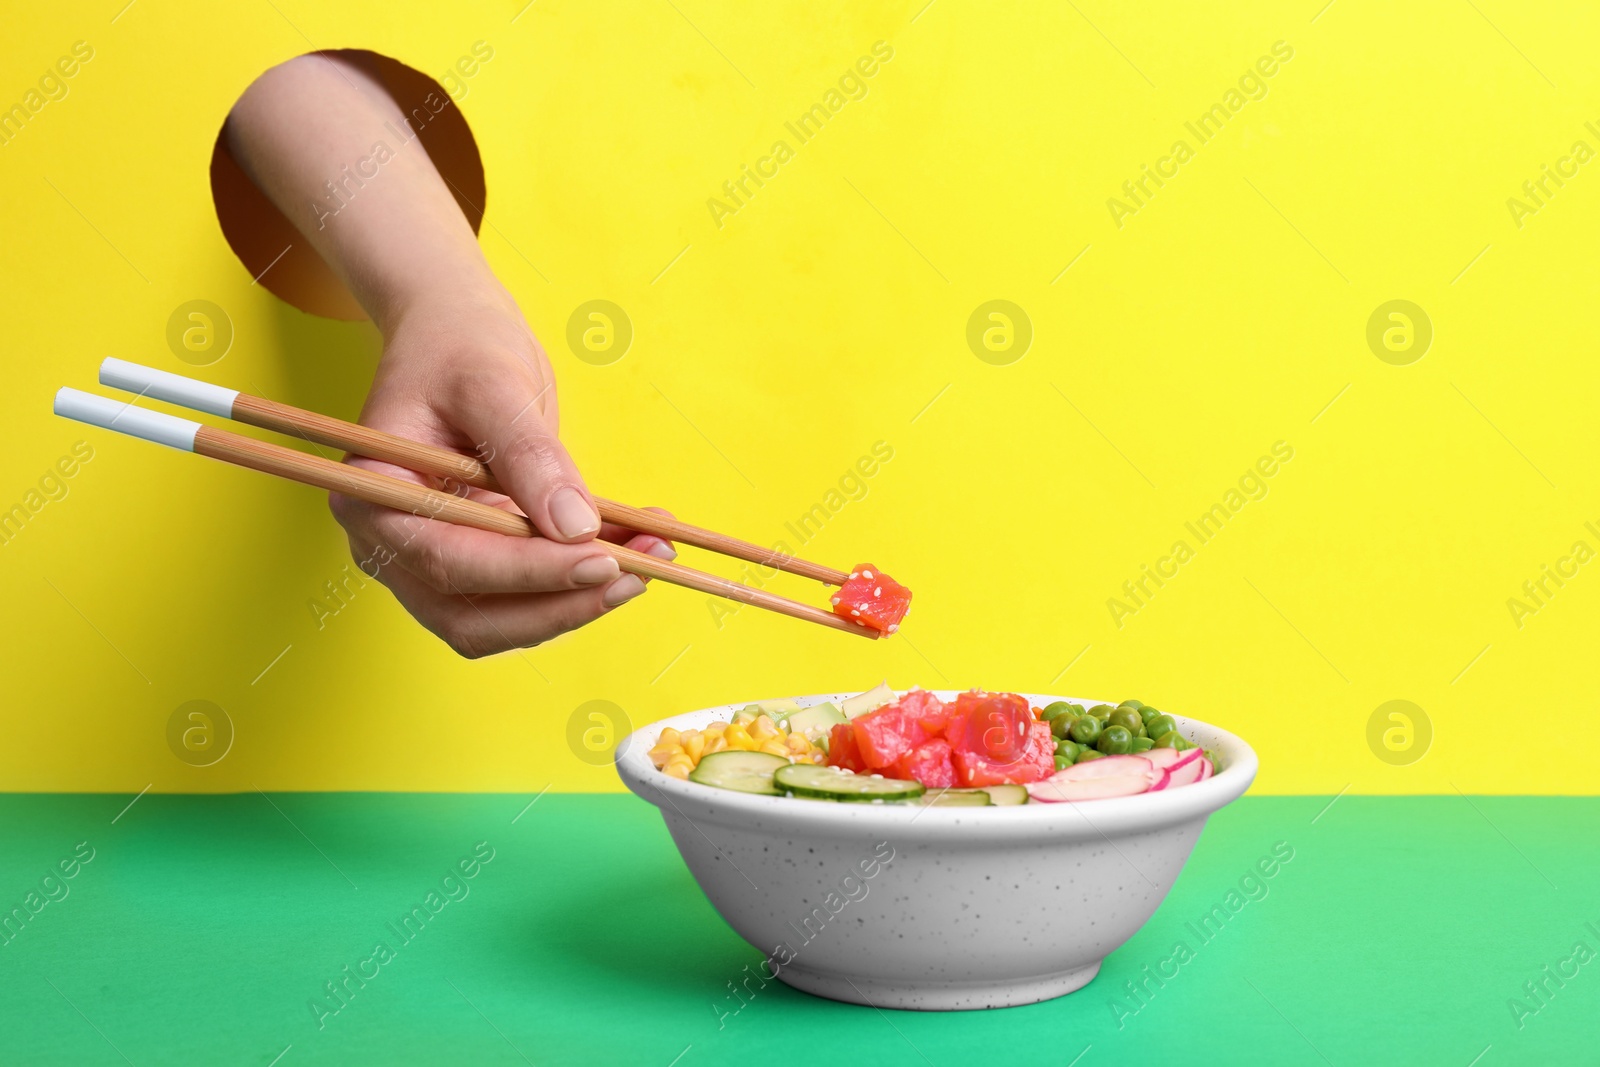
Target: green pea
{"points": [[1061, 724], [1115, 741], [1102, 711], [1160, 726], [1148, 713], [1069, 749], [1142, 744], [1088, 754], [1134, 704], [1173, 739], [1129, 720], [1085, 730], [1060, 707], [1063, 762]]}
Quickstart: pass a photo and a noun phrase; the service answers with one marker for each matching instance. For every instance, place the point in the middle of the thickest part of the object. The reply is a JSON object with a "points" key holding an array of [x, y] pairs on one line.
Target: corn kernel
{"points": [[661, 753], [738, 737], [716, 744], [678, 770], [695, 745], [798, 743], [716, 728], [763, 724], [776, 748], [669, 736]]}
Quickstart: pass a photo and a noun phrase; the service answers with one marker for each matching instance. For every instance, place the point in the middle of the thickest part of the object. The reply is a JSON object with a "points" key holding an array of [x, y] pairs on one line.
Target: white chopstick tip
{"points": [[122, 416], [74, 403], [164, 385]]}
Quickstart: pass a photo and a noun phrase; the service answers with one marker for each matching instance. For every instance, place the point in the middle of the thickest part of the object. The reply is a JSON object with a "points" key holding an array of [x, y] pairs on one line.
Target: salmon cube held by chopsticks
{"points": [[873, 599]]}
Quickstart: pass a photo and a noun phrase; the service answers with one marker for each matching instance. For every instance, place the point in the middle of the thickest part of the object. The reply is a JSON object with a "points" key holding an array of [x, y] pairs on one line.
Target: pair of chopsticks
{"points": [[381, 489]]}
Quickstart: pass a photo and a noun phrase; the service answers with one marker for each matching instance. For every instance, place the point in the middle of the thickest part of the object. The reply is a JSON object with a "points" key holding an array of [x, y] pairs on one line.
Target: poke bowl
{"points": [[932, 902]]}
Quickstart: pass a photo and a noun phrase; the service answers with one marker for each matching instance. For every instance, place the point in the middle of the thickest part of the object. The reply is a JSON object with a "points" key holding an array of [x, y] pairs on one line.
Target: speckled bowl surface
{"points": [[933, 908]]}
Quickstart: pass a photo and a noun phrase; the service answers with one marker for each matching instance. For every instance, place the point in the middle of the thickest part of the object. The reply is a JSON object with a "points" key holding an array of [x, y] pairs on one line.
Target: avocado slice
{"points": [[871, 700], [777, 710], [816, 721]]}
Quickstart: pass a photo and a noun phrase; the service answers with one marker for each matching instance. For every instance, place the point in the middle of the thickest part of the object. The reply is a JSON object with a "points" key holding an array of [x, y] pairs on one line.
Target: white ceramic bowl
{"points": [[934, 908]]}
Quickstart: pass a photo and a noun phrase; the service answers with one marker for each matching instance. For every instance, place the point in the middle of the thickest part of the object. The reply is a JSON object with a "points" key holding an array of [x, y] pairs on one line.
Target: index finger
{"points": [[527, 458]]}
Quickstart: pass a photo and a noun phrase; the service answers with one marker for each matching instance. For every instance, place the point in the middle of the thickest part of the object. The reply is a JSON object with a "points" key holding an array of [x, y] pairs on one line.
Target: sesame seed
{"points": [[834, 599], [855, 574], [853, 611], [878, 591], [893, 626], [866, 574]]}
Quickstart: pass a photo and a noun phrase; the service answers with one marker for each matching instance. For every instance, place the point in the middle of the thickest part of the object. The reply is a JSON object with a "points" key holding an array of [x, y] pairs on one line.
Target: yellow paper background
{"points": [[825, 316]]}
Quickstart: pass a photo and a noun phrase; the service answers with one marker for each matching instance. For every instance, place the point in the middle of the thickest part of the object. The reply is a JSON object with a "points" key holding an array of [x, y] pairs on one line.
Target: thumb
{"points": [[519, 444]]}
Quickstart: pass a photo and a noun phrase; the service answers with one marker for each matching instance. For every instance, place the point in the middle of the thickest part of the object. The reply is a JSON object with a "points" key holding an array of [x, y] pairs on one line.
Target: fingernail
{"points": [[594, 570], [622, 590], [662, 550], [572, 514]]}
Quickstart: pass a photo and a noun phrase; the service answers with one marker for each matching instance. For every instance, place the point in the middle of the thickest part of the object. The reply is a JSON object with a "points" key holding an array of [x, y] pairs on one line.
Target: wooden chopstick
{"points": [[386, 491], [427, 459]]}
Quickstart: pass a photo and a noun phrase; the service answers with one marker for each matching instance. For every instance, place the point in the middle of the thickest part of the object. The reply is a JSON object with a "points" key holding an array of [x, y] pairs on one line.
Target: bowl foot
{"points": [[913, 995]]}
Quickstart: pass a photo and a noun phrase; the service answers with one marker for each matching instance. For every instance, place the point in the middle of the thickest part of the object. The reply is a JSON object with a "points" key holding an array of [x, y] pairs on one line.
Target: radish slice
{"points": [[1182, 769], [1106, 767], [1185, 757], [1161, 780], [1055, 789], [1188, 772], [1171, 757], [1206, 770]]}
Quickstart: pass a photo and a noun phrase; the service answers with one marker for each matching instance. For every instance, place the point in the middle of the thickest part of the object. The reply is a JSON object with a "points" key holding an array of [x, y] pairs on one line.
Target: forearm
{"points": [[328, 145]]}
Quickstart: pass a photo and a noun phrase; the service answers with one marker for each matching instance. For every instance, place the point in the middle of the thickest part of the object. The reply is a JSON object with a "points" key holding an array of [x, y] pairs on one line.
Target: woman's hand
{"points": [[467, 374], [460, 367]]}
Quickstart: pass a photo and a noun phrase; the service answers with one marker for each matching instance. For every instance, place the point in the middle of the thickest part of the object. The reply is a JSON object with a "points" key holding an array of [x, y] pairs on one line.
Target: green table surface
{"points": [[1401, 932]]}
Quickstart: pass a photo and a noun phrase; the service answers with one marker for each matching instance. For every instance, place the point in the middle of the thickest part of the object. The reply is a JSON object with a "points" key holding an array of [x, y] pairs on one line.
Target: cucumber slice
{"points": [[957, 798], [820, 719], [777, 710], [747, 714], [826, 783], [1007, 794], [743, 772], [871, 700]]}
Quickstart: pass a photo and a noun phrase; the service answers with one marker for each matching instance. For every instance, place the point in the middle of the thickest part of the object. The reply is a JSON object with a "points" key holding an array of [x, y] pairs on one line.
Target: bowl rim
{"points": [[1085, 820]]}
